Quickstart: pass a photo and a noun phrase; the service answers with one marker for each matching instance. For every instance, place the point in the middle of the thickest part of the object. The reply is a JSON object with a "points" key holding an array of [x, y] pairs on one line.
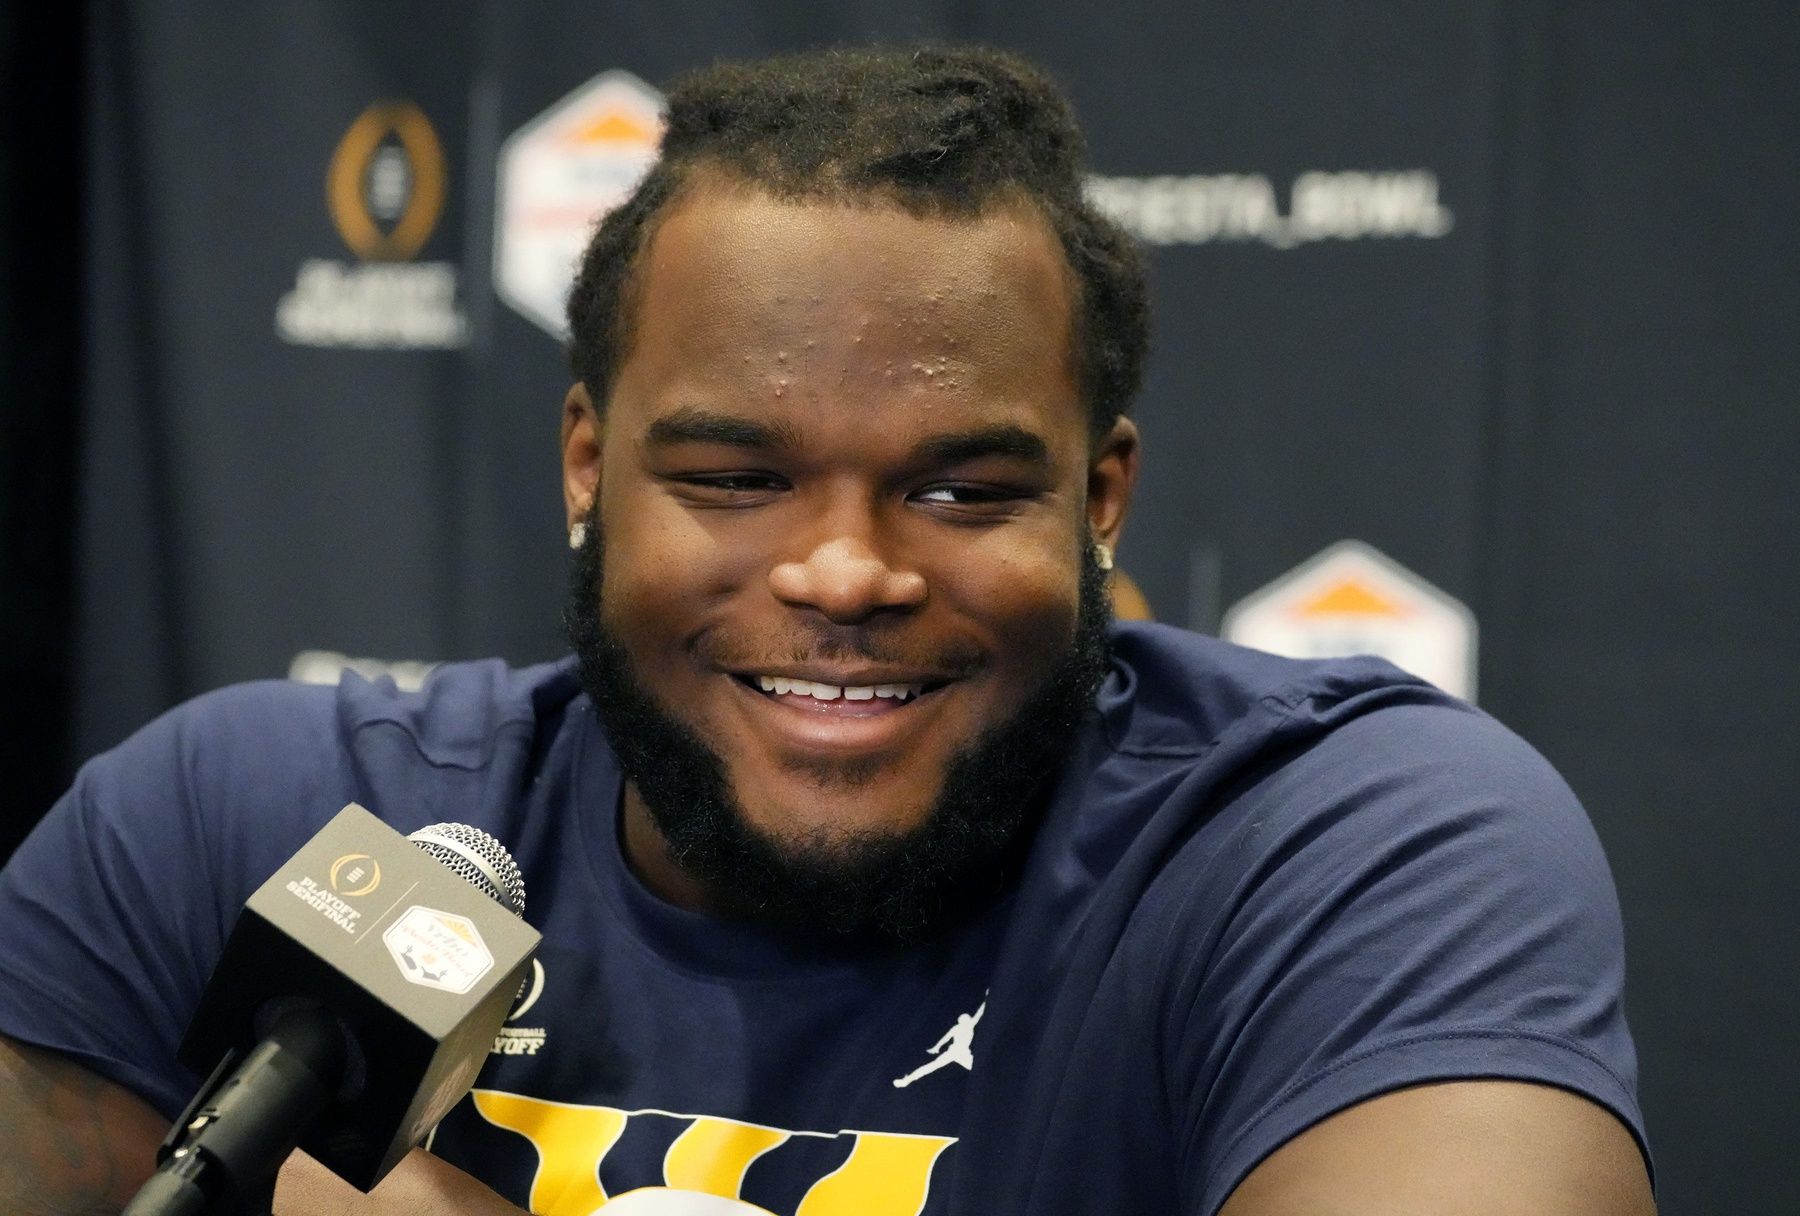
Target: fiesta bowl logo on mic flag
{"points": [[436, 949], [558, 175]]}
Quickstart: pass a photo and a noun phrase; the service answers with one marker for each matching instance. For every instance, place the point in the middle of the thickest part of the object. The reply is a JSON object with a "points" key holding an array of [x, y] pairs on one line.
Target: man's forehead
{"points": [[752, 256], [762, 306]]}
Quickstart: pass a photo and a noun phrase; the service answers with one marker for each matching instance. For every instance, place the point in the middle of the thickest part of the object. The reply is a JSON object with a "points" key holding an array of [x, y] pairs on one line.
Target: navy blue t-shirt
{"points": [[1263, 890]]}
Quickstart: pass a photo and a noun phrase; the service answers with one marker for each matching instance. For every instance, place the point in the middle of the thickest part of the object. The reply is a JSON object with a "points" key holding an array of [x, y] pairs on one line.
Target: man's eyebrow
{"points": [[1001, 440], [691, 424]]}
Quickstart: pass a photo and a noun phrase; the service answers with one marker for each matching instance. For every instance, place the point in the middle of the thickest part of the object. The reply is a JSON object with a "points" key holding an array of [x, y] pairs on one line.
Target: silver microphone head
{"points": [[478, 859]]}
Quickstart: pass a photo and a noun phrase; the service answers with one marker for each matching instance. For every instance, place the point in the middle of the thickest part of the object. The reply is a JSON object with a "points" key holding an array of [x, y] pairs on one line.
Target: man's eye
{"points": [[725, 487], [964, 494]]}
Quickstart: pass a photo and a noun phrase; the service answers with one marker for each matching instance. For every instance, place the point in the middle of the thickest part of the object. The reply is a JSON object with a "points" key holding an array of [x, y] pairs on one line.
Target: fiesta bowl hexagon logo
{"points": [[439, 950], [558, 175], [1353, 599]]}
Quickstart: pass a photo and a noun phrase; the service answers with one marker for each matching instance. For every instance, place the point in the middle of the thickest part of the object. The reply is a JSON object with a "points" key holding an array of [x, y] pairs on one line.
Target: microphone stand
{"points": [[222, 1155]]}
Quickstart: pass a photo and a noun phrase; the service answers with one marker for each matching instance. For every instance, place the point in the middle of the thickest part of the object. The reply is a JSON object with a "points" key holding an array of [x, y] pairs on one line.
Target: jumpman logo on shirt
{"points": [[953, 1048]]}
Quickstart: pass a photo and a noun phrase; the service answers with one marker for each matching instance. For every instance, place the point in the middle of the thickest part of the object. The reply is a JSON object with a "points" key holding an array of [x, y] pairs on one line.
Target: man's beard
{"points": [[900, 887]]}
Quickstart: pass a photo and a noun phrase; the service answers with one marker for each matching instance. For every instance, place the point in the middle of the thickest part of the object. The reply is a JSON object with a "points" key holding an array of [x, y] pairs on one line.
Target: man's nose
{"points": [[847, 579]]}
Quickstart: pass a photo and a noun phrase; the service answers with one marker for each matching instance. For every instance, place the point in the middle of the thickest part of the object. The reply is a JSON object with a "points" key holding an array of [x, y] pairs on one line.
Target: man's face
{"points": [[845, 489]]}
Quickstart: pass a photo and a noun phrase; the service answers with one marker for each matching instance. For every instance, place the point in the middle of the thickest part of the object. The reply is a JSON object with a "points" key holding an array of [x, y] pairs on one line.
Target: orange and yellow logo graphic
{"points": [[883, 1174], [1351, 597]]}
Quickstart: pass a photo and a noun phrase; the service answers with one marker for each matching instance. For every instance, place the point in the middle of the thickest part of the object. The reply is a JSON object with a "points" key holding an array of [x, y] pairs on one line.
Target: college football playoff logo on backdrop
{"points": [[385, 186], [386, 182]]}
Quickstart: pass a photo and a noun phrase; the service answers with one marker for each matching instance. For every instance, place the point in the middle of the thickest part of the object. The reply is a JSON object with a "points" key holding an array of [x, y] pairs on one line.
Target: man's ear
{"points": [[582, 441], [1112, 473]]}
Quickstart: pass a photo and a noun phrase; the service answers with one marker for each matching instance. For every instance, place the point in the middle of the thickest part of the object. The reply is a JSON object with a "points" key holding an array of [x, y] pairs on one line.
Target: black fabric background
{"points": [[1573, 410]]}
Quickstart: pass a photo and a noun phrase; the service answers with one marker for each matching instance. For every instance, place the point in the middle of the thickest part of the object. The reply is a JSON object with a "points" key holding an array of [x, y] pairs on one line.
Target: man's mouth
{"points": [[843, 697]]}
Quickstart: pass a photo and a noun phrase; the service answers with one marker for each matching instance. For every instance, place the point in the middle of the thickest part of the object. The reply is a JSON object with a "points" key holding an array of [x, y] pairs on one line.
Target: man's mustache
{"points": [[845, 644]]}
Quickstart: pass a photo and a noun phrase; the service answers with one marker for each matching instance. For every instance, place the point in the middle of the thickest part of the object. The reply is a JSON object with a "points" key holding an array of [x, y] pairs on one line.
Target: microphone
{"points": [[476, 858], [357, 997]]}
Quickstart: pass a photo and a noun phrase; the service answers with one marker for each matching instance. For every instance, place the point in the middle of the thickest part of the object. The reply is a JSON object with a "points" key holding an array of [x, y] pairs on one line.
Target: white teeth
{"points": [[831, 692]]}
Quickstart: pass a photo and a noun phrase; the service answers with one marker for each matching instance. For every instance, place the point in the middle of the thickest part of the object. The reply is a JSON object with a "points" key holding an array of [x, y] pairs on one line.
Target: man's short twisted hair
{"points": [[936, 131]]}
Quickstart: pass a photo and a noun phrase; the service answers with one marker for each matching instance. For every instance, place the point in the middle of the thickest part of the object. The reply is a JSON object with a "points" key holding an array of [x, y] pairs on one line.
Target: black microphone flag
{"points": [[368, 934]]}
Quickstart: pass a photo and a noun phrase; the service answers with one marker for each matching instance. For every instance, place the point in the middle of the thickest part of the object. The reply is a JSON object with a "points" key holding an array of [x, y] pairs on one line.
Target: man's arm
{"points": [[71, 1143], [421, 1185], [1462, 1148], [74, 1144]]}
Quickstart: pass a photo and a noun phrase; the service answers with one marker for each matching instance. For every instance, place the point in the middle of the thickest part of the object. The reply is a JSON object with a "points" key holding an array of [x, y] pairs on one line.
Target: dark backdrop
{"points": [[1555, 377]]}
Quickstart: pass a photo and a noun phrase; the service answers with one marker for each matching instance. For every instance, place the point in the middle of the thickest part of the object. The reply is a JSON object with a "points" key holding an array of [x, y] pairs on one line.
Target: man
{"points": [[875, 874]]}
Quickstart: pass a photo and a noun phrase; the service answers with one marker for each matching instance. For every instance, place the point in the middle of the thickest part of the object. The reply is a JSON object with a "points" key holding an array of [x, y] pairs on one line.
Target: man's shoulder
{"points": [[1343, 725], [450, 719], [277, 752], [1174, 692], [455, 717]]}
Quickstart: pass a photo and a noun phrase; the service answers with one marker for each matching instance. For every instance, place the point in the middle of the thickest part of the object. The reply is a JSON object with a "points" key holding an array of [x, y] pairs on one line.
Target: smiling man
{"points": [[843, 511], [879, 873]]}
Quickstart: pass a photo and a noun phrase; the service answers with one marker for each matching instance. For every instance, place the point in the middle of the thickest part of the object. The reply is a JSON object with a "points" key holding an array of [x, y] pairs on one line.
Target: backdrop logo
{"points": [[1354, 599], [558, 175], [328, 667], [1208, 208], [384, 189], [386, 182]]}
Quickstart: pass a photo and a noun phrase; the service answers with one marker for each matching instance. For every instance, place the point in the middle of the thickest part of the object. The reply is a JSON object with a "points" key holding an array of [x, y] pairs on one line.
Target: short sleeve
{"points": [[1415, 896], [116, 907]]}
